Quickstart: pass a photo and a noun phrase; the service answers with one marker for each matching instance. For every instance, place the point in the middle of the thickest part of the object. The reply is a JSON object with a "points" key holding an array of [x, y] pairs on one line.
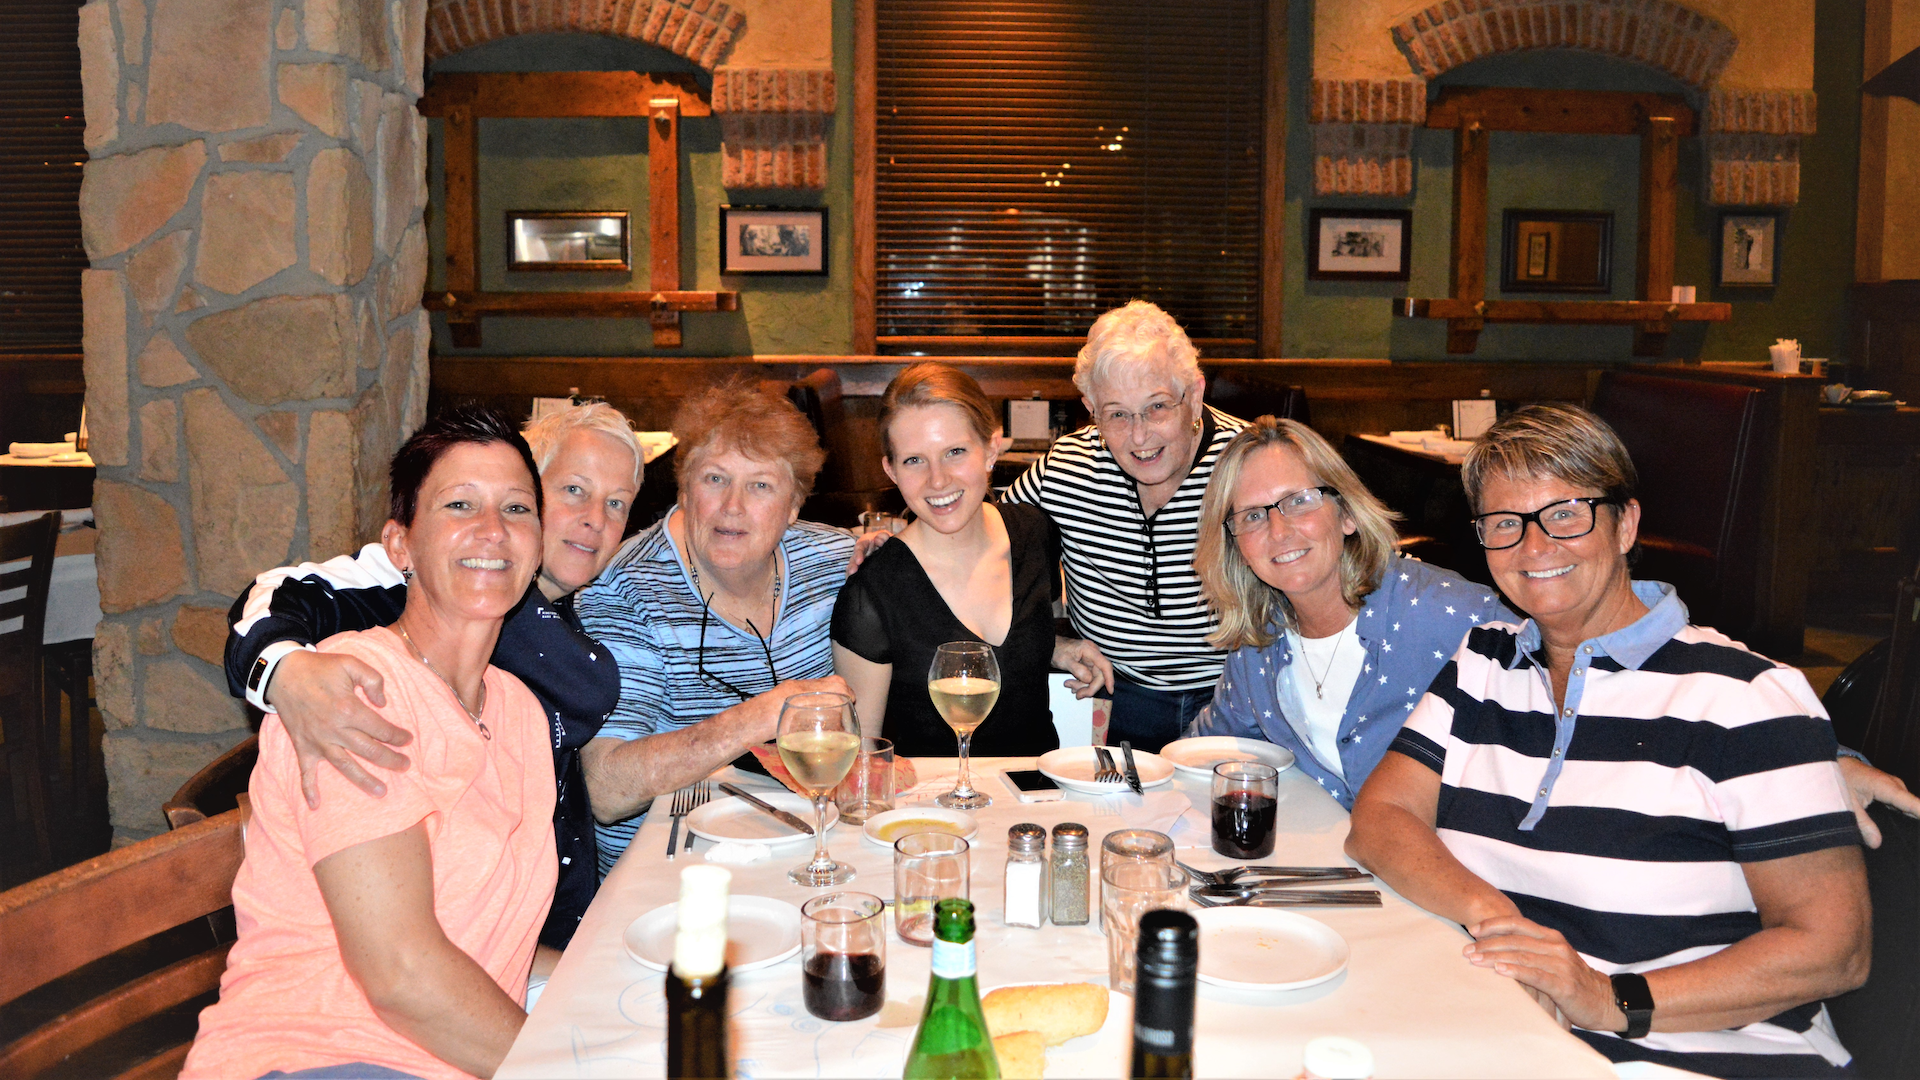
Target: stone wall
{"points": [[255, 347]]}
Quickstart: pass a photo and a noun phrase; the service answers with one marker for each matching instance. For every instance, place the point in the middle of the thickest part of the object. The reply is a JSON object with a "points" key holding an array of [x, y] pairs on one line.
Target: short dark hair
{"points": [[442, 432]]}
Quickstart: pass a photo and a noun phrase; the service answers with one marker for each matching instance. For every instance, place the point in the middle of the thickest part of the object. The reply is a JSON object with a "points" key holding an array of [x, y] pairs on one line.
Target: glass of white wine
{"points": [[964, 682], [818, 740]]}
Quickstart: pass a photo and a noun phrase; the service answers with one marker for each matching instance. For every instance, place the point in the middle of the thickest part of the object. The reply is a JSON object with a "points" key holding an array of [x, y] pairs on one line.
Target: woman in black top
{"points": [[962, 571]]}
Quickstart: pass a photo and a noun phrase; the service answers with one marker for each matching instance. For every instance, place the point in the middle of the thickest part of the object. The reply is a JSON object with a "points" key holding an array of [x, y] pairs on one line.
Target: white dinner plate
{"points": [[760, 931], [1267, 949], [1197, 757], [732, 818], [884, 829], [1073, 768]]}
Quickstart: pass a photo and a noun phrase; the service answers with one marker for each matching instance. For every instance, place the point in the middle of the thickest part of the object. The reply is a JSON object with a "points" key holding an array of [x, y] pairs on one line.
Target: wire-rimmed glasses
{"points": [[1156, 415], [1300, 503], [1568, 519], [700, 657]]}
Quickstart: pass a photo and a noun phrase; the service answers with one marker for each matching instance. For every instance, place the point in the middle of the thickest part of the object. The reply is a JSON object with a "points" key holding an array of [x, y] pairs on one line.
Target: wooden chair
{"points": [[30, 543], [215, 789], [842, 492], [58, 923]]}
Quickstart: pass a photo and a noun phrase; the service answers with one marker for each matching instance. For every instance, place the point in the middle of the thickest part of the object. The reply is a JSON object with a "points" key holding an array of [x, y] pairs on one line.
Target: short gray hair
{"points": [[546, 434], [1139, 333], [1554, 440]]}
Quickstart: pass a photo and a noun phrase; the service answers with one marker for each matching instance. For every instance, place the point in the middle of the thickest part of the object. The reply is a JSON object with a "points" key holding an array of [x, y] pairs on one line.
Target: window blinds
{"points": [[41, 121]]}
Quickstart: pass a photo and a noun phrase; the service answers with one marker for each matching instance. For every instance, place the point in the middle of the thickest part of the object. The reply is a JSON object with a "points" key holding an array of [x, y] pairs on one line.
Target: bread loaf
{"points": [[1022, 1054], [1057, 1012]]}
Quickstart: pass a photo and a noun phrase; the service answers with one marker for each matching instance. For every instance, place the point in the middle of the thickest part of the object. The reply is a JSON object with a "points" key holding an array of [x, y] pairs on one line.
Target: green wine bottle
{"points": [[696, 989], [952, 1043], [1167, 964]]}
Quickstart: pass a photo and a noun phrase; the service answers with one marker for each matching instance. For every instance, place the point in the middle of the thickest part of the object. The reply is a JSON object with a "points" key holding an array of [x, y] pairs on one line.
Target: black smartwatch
{"points": [[1631, 994]]}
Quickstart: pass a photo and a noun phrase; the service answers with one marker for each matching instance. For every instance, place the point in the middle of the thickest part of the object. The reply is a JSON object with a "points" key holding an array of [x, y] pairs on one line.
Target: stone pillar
{"points": [[255, 347]]}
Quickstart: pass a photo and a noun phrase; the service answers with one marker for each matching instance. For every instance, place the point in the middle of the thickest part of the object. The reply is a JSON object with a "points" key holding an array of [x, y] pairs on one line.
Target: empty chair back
{"points": [[51, 926], [820, 399], [1892, 739], [216, 788], [1247, 395], [1880, 1022]]}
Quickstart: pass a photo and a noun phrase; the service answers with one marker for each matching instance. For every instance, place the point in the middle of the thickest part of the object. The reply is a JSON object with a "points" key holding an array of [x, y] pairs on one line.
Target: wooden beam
{"points": [[1870, 214], [580, 304], [462, 136], [1573, 312], [555, 94], [1569, 112], [866, 96], [1469, 266], [1659, 220], [663, 198], [1273, 183]]}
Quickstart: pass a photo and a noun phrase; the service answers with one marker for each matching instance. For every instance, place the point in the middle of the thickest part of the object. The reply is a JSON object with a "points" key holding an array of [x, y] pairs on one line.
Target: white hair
{"points": [[1137, 334], [545, 435]]}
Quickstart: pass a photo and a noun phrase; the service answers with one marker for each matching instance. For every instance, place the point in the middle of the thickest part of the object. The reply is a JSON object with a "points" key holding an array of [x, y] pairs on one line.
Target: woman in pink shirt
{"points": [[393, 936]]}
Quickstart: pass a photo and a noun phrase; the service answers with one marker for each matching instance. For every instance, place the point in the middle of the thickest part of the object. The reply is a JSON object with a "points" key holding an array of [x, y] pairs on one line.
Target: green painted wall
{"points": [[1566, 172], [601, 164]]}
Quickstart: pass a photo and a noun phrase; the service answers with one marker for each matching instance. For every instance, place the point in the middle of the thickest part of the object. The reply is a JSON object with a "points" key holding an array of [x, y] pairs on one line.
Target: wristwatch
{"points": [[1631, 994]]}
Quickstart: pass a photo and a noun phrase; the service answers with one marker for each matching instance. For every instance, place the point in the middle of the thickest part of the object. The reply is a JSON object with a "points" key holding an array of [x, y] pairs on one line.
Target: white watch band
{"points": [[260, 675]]}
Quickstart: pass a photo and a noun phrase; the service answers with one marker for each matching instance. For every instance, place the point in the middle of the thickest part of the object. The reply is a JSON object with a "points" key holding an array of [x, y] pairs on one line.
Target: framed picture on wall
{"points": [[1749, 249], [1359, 245], [773, 239], [1556, 251]]}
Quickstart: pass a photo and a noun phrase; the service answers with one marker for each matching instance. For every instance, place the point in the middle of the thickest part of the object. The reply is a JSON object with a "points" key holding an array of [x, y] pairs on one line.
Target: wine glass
{"points": [[964, 682], [818, 740]]}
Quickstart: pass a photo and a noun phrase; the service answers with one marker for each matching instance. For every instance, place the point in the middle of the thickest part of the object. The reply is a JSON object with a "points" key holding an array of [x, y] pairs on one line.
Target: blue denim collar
{"points": [[1633, 644]]}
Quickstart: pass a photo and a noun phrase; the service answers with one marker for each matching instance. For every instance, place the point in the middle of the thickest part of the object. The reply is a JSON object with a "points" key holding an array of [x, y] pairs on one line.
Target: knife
{"points": [[768, 808], [1133, 774]]}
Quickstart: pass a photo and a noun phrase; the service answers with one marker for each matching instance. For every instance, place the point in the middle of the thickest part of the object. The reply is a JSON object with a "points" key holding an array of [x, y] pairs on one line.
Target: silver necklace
{"points": [[471, 715], [1320, 680]]}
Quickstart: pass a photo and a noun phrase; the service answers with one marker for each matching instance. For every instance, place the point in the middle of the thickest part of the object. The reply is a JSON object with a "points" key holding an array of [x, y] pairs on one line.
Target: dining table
{"points": [[1406, 991]]}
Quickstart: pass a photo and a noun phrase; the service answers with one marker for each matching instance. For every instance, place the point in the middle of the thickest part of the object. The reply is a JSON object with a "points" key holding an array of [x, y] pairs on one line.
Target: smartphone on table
{"points": [[1031, 785]]}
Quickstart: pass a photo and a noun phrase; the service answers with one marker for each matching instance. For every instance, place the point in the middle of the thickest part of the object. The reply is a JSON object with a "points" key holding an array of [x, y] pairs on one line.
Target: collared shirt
{"points": [[1408, 627], [1622, 816], [1131, 588]]}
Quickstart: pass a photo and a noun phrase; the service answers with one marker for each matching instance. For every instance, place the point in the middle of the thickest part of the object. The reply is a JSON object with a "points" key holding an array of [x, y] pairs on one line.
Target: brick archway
{"points": [[699, 30], [1684, 43]]}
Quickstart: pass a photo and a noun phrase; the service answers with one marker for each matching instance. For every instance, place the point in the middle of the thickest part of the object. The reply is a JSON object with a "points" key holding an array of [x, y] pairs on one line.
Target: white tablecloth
{"points": [[1407, 993], [73, 598]]}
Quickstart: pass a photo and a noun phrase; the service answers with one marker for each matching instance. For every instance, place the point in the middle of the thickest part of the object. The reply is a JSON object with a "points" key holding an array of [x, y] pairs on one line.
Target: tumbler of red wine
{"points": [[843, 948], [1246, 801]]}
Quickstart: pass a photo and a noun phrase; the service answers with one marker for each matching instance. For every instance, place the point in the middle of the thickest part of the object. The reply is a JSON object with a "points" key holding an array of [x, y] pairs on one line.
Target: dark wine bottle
{"points": [[697, 1045], [1167, 965], [952, 1043]]}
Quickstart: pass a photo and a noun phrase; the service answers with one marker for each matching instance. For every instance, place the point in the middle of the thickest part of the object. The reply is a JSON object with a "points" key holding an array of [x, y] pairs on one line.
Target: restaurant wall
{"points": [[1568, 172], [602, 164]]}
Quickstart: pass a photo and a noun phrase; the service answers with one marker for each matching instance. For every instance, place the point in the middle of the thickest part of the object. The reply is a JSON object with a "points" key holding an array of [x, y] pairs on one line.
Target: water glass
{"points": [[928, 867], [1246, 805], [868, 788], [1129, 889], [843, 955], [1133, 846]]}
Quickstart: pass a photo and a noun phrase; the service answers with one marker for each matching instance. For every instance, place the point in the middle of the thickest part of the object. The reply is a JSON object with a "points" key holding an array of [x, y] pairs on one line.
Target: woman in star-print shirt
{"points": [[1334, 636]]}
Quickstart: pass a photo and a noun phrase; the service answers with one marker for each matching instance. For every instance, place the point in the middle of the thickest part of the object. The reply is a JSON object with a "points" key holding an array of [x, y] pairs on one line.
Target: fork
{"points": [[1296, 874], [682, 806], [1107, 773]]}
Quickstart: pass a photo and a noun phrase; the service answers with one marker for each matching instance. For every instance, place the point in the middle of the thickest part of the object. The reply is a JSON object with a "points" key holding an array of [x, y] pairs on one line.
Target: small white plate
{"points": [[880, 824], [760, 931], [1073, 768], [1267, 949], [1197, 757], [734, 819]]}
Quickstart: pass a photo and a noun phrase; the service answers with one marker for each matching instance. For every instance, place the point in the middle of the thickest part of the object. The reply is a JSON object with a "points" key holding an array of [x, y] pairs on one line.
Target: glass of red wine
{"points": [[1246, 802], [843, 948]]}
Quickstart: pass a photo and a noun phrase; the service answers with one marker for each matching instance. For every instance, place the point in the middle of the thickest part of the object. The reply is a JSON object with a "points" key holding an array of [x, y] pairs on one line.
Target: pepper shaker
{"points": [[1070, 906], [1026, 898]]}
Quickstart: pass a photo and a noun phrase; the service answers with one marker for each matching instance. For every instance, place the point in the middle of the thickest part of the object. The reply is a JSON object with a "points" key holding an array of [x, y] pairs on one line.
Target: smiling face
{"points": [[941, 465], [475, 539], [590, 488], [1298, 555], [737, 508], [1561, 584], [1151, 453]]}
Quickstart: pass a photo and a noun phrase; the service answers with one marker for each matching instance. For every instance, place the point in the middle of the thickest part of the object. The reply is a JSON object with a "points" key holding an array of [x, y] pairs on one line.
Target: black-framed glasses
{"points": [[1302, 502], [773, 675], [1568, 519]]}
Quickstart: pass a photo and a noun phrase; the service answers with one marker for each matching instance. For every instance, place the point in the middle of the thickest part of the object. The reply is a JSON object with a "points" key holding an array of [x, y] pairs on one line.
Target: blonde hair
{"points": [[738, 415], [1554, 440], [1137, 334], [930, 383], [546, 435], [1247, 607]]}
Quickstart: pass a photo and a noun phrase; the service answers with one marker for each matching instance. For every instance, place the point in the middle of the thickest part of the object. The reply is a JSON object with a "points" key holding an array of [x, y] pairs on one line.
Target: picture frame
{"points": [[773, 240], [1749, 249], [1359, 245], [1556, 251], [575, 240]]}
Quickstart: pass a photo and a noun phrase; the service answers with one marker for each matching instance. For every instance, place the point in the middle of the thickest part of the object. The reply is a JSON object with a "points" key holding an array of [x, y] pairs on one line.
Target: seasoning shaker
{"points": [[1070, 876], [1026, 899]]}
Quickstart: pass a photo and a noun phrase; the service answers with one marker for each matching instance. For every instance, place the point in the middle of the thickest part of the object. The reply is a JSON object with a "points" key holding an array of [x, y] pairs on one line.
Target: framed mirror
{"points": [[568, 240], [1557, 251]]}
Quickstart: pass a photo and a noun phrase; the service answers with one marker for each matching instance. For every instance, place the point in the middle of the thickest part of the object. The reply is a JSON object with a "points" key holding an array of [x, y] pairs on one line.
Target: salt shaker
{"points": [[1070, 875], [1026, 903]]}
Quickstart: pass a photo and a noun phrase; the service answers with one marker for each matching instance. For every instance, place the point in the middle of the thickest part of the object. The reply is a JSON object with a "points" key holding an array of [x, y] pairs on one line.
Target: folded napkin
{"points": [[738, 853]]}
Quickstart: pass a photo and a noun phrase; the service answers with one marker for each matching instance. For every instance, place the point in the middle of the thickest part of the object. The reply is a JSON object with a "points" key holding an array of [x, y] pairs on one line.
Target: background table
{"points": [[1406, 993]]}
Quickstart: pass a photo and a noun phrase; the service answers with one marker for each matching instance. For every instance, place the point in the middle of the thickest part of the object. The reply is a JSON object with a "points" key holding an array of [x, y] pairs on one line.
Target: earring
{"points": [[406, 575], [1196, 425]]}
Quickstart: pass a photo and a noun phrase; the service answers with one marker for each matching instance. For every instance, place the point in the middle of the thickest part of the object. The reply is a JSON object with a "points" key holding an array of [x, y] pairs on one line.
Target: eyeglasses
{"points": [[773, 676], [1568, 519], [1300, 503], [1157, 415]]}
